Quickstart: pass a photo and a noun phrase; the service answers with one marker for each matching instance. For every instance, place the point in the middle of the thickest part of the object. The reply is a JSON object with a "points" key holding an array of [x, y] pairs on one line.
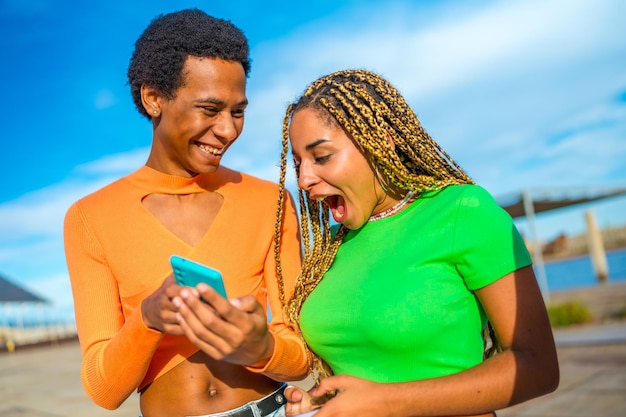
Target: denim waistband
{"points": [[263, 407]]}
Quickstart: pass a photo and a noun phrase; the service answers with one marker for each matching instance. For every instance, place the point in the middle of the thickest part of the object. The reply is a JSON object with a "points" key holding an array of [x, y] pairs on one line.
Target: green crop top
{"points": [[398, 303]]}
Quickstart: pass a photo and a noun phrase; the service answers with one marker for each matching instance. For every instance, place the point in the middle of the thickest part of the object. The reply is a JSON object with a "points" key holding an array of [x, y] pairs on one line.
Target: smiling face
{"points": [[192, 131], [332, 169]]}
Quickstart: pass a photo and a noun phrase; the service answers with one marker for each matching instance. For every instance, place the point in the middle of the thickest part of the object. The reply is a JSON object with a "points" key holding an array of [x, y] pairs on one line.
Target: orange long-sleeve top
{"points": [[118, 253]]}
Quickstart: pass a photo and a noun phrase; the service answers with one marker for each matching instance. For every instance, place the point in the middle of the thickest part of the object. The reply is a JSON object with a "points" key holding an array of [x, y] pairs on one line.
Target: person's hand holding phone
{"points": [[234, 330], [158, 310]]}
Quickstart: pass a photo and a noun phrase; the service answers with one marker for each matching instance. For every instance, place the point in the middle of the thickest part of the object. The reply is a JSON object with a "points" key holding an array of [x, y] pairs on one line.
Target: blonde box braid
{"points": [[383, 125]]}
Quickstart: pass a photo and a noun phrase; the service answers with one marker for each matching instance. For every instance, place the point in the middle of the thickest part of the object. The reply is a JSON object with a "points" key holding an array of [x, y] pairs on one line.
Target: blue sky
{"points": [[523, 94]]}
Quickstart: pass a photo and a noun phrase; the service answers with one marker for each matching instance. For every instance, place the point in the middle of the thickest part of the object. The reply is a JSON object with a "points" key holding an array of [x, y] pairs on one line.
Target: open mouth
{"points": [[330, 201], [337, 206], [209, 149]]}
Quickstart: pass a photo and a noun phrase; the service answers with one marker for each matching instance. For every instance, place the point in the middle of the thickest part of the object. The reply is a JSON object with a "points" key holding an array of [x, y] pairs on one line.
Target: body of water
{"points": [[578, 272], [563, 274]]}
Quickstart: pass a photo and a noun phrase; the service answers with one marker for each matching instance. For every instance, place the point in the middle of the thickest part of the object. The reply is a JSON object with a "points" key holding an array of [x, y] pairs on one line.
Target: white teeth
{"points": [[209, 149], [320, 199]]}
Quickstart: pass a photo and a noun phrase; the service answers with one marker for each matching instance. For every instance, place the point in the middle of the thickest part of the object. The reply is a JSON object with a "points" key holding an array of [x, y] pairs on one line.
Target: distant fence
{"points": [[12, 337]]}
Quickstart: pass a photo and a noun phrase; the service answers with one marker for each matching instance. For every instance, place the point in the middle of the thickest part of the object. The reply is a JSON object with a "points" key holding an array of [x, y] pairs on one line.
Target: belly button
{"points": [[212, 392]]}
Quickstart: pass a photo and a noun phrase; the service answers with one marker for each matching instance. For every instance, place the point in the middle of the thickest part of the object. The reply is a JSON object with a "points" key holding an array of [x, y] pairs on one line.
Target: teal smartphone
{"points": [[190, 274]]}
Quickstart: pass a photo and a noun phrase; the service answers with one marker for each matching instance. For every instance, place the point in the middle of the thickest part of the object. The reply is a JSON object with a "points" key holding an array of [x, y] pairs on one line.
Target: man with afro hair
{"points": [[188, 351]]}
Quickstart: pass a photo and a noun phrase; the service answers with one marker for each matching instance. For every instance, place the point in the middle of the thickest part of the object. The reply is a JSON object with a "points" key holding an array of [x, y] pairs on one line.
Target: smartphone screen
{"points": [[190, 273]]}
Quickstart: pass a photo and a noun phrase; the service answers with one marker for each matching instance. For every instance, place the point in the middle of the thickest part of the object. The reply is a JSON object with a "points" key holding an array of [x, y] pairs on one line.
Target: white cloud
{"points": [[503, 40], [40, 213], [31, 242], [122, 163], [56, 289], [495, 86], [522, 94]]}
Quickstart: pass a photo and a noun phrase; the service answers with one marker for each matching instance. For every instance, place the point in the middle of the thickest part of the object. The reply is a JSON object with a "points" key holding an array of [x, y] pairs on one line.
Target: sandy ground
{"points": [[43, 380]]}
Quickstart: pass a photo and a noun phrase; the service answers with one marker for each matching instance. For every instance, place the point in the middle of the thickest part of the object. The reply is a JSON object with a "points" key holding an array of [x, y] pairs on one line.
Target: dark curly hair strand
{"points": [[162, 49]]}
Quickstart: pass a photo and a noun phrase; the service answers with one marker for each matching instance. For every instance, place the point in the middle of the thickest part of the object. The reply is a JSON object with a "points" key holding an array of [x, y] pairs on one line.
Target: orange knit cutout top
{"points": [[118, 253]]}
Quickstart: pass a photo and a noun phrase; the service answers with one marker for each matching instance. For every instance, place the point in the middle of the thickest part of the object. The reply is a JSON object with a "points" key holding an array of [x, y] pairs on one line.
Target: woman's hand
{"points": [[233, 330], [298, 401], [339, 396], [352, 396], [158, 310]]}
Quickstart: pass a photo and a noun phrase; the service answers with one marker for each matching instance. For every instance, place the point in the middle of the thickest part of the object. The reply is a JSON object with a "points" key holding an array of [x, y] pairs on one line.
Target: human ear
{"points": [[151, 100]]}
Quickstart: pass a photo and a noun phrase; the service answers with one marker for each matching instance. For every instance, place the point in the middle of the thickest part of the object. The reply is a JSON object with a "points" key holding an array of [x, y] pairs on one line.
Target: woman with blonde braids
{"points": [[393, 302]]}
